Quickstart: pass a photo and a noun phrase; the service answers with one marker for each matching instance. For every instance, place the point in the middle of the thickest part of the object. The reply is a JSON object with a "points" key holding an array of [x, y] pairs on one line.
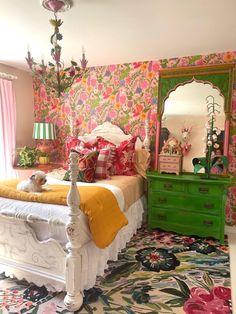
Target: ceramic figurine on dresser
{"points": [[170, 158], [180, 199]]}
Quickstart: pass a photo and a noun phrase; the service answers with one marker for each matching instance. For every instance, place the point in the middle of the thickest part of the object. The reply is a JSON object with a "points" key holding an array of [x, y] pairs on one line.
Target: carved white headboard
{"points": [[116, 135]]}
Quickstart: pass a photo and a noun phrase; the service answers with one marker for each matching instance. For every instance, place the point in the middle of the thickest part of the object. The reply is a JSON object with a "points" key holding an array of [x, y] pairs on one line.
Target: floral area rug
{"points": [[158, 272]]}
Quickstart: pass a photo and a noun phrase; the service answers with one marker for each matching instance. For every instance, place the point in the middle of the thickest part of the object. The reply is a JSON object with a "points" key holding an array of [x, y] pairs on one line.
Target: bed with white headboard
{"points": [[53, 245]]}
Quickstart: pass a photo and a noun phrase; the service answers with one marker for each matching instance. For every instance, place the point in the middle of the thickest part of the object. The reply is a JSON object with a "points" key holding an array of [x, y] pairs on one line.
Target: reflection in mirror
{"points": [[186, 109]]}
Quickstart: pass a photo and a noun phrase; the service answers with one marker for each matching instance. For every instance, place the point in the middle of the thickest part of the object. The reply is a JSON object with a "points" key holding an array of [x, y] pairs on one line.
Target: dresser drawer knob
{"points": [[209, 205], [203, 190], [161, 216], [208, 222], [162, 200], [168, 186]]}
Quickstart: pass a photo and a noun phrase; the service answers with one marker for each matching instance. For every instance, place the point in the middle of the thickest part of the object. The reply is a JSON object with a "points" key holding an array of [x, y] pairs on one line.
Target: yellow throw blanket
{"points": [[98, 203]]}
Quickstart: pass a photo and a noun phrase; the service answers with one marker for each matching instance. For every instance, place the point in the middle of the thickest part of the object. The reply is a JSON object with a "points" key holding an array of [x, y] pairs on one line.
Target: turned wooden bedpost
{"points": [[146, 141], [73, 299]]}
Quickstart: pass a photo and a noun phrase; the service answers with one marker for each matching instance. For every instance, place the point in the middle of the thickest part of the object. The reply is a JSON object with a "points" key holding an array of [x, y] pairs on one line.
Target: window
{"points": [[7, 129]]}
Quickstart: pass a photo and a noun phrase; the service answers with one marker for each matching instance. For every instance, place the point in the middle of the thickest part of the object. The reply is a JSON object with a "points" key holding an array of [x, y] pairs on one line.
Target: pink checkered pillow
{"points": [[102, 143], [101, 171]]}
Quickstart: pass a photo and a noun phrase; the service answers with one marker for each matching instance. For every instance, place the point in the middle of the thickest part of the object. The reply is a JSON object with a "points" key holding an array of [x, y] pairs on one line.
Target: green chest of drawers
{"points": [[187, 204]]}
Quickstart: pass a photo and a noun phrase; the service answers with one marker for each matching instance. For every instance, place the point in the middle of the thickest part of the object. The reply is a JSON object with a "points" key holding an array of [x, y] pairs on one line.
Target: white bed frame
{"points": [[46, 262]]}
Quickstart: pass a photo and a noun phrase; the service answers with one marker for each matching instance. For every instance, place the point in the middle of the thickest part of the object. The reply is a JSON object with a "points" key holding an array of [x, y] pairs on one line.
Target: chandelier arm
{"points": [[54, 76]]}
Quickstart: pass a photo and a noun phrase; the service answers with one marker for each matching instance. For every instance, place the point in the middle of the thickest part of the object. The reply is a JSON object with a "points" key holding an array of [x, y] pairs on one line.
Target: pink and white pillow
{"points": [[102, 166], [105, 144], [124, 162]]}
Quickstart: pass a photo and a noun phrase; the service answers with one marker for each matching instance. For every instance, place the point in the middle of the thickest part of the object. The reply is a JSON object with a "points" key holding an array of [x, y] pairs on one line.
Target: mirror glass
{"points": [[186, 108]]}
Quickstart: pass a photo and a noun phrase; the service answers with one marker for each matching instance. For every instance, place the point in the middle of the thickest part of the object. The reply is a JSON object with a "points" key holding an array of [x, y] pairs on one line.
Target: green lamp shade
{"points": [[44, 131]]}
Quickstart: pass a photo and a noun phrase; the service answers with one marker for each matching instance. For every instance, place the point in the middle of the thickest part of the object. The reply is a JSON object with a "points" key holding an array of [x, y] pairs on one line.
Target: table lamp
{"points": [[45, 133]]}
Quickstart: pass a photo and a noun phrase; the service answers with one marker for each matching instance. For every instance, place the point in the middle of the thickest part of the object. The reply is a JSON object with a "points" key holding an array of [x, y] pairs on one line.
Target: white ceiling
{"points": [[118, 31]]}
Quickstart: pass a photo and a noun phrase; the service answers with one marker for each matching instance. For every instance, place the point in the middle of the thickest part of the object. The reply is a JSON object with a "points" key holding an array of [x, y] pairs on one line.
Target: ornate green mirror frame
{"points": [[219, 76]]}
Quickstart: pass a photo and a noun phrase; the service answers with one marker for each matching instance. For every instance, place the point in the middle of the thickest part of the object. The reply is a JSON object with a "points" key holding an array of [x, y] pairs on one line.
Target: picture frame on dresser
{"points": [[179, 200]]}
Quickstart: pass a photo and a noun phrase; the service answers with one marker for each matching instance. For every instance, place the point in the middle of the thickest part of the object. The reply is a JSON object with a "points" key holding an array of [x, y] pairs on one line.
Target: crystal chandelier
{"points": [[54, 76]]}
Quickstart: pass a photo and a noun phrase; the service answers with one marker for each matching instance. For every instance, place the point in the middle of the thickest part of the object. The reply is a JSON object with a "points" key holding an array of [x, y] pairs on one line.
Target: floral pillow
{"points": [[102, 167], [74, 143], [87, 165], [71, 143], [124, 161]]}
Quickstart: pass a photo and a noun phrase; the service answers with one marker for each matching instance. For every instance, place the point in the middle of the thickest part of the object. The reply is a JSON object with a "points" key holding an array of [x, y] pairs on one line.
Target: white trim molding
{"points": [[8, 76]]}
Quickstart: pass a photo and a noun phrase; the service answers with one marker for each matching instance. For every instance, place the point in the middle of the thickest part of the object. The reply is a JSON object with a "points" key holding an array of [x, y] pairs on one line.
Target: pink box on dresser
{"points": [[170, 164]]}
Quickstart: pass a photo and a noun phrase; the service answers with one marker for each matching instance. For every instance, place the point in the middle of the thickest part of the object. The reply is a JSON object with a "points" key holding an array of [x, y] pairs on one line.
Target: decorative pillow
{"points": [[104, 144], [102, 168], [87, 165], [141, 161], [103, 164], [124, 161], [71, 143], [92, 144]]}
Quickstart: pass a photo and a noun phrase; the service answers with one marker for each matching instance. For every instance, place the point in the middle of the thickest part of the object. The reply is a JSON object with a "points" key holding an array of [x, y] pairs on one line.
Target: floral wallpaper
{"points": [[125, 94]]}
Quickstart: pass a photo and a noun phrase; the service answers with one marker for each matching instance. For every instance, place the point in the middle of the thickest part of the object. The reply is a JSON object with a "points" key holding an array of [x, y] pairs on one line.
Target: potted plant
{"points": [[43, 158], [212, 132], [27, 156]]}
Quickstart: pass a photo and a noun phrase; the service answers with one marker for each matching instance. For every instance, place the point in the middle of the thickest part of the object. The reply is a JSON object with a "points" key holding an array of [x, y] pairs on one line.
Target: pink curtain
{"points": [[7, 129]]}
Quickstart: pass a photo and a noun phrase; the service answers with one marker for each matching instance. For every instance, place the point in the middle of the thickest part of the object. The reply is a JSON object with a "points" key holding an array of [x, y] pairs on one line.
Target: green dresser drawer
{"points": [[187, 203], [166, 200], [166, 185], [193, 203], [205, 189], [185, 222]]}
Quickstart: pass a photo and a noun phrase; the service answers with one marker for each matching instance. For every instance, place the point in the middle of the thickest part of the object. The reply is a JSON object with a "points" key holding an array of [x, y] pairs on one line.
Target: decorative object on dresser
{"points": [[43, 158], [186, 146], [170, 158], [211, 139], [187, 204]]}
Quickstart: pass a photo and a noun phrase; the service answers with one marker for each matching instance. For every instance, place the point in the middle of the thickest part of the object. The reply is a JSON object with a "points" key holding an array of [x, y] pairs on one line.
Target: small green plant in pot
{"points": [[43, 158], [27, 156]]}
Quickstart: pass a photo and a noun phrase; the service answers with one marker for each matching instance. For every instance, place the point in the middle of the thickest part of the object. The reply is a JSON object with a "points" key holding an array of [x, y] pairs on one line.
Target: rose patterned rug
{"points": [[158, 272]]}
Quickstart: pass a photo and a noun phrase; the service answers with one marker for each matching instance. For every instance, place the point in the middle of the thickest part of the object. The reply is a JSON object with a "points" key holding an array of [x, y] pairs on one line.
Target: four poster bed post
{"points": [[73, 299]]}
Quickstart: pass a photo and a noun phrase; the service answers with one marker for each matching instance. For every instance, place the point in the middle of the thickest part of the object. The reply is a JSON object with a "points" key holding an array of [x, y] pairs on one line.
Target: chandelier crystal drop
{"points": [[54, 76]]}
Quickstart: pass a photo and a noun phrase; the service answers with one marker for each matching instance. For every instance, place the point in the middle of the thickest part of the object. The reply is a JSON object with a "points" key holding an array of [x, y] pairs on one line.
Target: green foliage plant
{"points": [[27, 156]]}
